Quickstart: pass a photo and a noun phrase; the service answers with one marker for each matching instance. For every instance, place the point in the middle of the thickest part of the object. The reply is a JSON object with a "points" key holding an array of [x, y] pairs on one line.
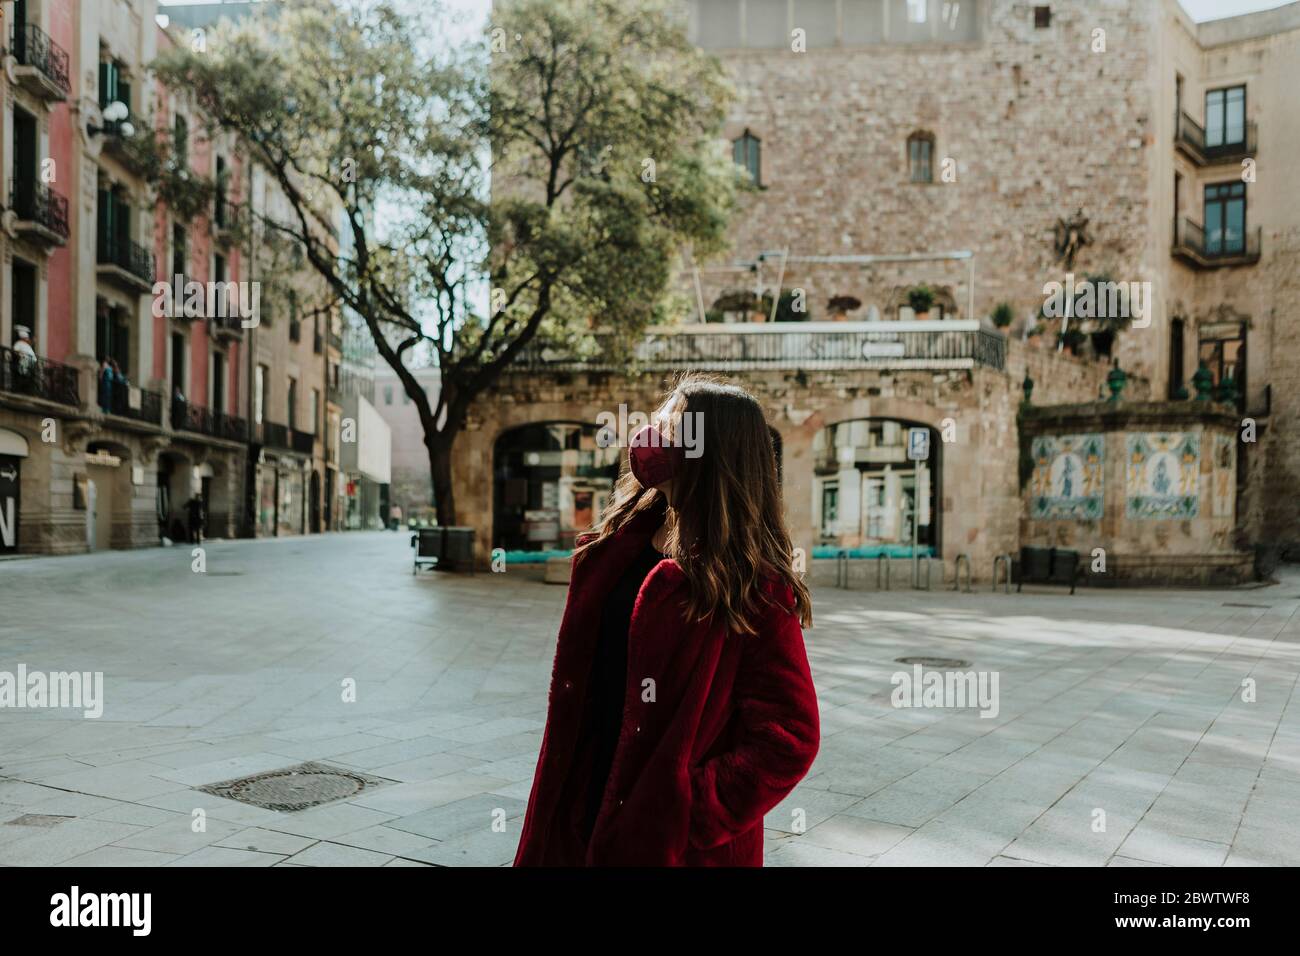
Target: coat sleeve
{"points": [[778, 731]]}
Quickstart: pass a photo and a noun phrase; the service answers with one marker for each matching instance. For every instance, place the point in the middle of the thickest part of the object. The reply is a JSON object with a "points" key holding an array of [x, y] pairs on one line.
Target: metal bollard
{"points": [[962, 558], [842, 569], [927, 562], [1007, 583], [882, 560]]}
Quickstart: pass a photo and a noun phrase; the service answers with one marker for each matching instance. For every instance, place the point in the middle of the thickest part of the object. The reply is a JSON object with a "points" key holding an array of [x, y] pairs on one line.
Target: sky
{"points": [[476, 11]]}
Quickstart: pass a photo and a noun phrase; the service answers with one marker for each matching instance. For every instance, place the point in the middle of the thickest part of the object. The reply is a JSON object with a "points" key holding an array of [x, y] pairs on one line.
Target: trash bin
{"points": [[457, 549]]}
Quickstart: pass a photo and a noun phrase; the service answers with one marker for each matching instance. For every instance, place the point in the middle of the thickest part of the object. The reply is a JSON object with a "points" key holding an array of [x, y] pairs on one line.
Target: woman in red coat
{"points": [[681, 705]]}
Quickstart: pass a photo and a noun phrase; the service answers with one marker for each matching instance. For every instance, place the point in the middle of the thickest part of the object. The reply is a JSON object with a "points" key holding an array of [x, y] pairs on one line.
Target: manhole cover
{"points": [[295, 788], [938, 663]]}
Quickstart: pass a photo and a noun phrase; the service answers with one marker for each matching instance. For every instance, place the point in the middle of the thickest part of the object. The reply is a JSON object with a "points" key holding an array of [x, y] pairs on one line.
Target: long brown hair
{"points": [[726, 529]]}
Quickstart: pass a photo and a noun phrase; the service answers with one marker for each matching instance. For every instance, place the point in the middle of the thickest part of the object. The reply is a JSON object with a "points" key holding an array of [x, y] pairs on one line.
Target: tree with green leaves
{"points": [[537, 186]]}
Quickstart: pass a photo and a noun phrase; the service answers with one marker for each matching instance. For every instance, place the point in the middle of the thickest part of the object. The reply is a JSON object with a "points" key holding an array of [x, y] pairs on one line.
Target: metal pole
{"points": [[916, 514]]}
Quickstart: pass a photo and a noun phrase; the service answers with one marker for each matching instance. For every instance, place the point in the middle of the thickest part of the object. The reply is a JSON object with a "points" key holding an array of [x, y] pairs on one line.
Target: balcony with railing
{"points": [[301, 442], [43, 67], [1191, 141], [125, 262], [188, 417], [138, 404], [226, 219], [1217, 249], [40, 212], [901, 345], [272, 435], [226, 327], [31, 376]]}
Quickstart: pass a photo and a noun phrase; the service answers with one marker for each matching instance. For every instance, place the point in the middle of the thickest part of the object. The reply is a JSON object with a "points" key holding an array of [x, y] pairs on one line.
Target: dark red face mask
{"points": [[652, 459]]}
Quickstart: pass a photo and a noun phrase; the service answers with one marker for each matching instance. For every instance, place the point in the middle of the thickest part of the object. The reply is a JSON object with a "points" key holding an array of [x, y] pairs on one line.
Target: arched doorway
{"points": [[551, 481], [868, 494]]}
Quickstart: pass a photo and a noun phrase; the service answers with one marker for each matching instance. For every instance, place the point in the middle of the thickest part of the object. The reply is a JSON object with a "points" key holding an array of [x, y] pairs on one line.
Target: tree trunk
{"points": [[444, 498]]}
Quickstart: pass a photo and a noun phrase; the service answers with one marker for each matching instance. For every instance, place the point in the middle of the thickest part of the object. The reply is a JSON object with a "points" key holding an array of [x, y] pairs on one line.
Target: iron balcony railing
{"points": [[33, 201], [911, 344], [36, 377], [301, 441], [273, 435], [33, 47], [195, 418], [148, 409], [1190, 135], [1219, 247], [127, 255]]}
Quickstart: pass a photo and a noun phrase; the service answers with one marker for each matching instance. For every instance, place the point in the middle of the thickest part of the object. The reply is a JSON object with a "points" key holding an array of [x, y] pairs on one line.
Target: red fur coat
{"points": [[717, 728]]}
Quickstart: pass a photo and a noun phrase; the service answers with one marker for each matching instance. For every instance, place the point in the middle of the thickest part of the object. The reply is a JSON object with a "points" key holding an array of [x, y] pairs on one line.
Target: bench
{"points": [[1047, 566]]}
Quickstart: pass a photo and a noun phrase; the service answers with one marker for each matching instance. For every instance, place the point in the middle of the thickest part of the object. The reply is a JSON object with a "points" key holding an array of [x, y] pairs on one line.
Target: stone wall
{"points": [[1144, 491], [977, 495]]}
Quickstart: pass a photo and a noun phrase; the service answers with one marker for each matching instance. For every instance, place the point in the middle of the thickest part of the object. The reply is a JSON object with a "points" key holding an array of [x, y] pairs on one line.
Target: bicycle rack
{"points": [[962, 558], [917, 583], [1002, 558], [882, 560]]}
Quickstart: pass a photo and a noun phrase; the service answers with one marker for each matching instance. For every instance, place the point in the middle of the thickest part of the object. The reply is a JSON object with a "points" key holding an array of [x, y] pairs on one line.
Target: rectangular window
{"points": [[1225, 116], [181, 141], [315, 410], [293, 403], [388, 394], [259, 393], [218, 382], [1223, 350], [180, 251], [1042, 18], [1225, 218], [919, 151], [178, 365]]}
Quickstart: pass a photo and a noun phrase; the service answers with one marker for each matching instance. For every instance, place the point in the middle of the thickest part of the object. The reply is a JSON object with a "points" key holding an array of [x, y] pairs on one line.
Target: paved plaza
{"points": [[1133, 728]]}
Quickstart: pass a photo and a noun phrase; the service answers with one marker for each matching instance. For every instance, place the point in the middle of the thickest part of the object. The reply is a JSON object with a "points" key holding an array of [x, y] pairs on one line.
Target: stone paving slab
{"points": [[1125, 734]]}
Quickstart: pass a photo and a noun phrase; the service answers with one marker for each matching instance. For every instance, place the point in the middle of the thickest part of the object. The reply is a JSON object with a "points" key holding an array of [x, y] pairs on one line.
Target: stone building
{"points": [[411, 487], [102, 461], [976, 153]]}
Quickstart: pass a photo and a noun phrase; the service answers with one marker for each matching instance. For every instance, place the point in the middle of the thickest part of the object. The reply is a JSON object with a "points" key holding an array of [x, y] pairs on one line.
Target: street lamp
{"points": [[115, 121]]}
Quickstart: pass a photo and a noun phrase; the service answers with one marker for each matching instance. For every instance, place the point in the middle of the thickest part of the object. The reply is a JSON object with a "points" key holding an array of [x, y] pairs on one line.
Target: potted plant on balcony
{"points": [[840, 306], [738, 305], [789, 308], [1001, 316], [920, 299]]}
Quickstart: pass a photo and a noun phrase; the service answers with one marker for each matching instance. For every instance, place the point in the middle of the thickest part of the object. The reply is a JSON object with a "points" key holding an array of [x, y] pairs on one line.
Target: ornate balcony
{"points": [[125, 262], [1189, 138], [302, 442], [43, 65], [204, 421], [35, 377], [1217, 251], [226, 327], [272, 435], [41, 213], [138, 404], [941, 344]]}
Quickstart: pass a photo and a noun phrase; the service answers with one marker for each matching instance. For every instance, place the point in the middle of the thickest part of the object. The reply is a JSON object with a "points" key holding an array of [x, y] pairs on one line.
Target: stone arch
{"points": [[551, 480], [799, 432]]}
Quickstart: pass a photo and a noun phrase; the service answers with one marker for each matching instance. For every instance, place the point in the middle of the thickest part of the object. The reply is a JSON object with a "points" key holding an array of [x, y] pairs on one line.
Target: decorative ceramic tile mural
{"points": [[1163, 475], [1225, 466], [1067, 480]]}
